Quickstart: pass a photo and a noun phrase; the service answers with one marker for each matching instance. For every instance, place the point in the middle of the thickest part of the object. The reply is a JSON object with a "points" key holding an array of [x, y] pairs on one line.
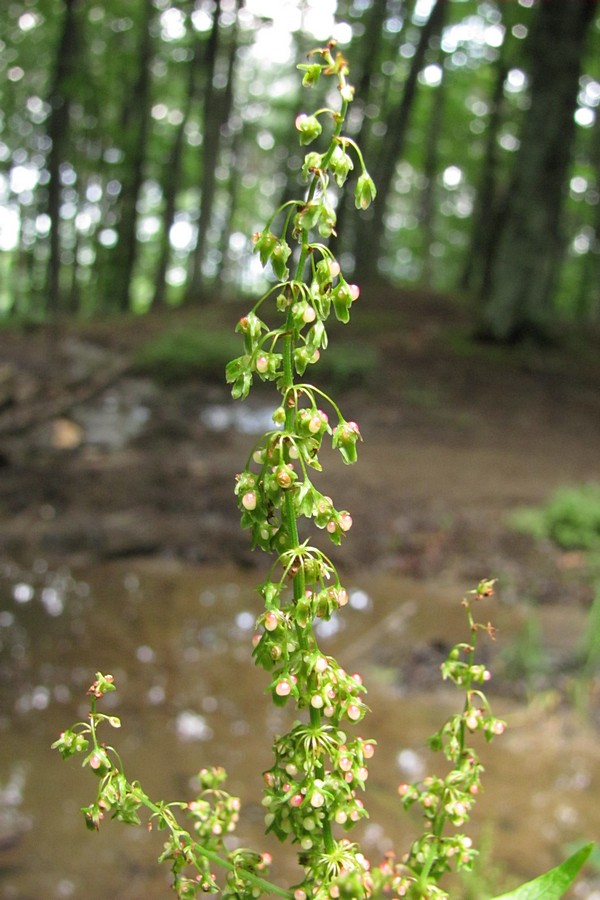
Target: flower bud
{"points": [[283, 688], [345, 521], [364, 192], [353, 712], [271, 621], [249, 501], [309, 128], [317, 799]]}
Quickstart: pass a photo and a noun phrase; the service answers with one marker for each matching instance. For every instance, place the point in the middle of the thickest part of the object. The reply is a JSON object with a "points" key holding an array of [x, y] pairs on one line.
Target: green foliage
{"points": [[177, 356], [554, 883], [571, 518]]}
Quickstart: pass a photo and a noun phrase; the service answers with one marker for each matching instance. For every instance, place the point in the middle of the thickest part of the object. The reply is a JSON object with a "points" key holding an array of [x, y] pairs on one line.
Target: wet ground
{"points": [[121, 550]]}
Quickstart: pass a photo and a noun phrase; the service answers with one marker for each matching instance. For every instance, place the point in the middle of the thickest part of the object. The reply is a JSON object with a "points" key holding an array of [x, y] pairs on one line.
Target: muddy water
{"points": [[177, 640]]}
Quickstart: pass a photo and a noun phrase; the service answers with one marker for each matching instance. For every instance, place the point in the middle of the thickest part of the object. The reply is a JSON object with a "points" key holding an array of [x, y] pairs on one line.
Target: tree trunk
{"points": [[485, 215], [136, 125], [172, 176], [430, 171], [212, 120], [527, 251], [58, 131], [371, 231]]}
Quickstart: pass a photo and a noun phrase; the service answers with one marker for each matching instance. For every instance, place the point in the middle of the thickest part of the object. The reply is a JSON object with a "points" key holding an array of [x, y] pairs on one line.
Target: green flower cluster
{"points": [[313, 783]]}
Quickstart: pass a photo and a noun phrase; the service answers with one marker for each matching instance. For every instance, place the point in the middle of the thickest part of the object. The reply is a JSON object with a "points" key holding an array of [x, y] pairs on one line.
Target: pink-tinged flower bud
{"points": [[331, 526], [345, 764], [309, 315], [283, 688], [315, 424], [354, 291], [363, 773], [284, 478], [474, 789], [334, 268], [368, 751], [487, 675], [271, 621], [321, 664], [249, 501], [348, 777], [403, 789], [341, 817], [299, 894], [262, 364], [342, 597], [357, 677], [316, 701], [329, 712], [345, 521], [296, 800], [317, 799], [498, 727], [96, 761], [471, 722], [355, 815], [353, 712]]}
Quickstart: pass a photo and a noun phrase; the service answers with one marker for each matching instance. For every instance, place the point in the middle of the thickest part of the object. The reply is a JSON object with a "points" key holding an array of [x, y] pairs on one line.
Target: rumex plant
{"points": [[313, 789]]}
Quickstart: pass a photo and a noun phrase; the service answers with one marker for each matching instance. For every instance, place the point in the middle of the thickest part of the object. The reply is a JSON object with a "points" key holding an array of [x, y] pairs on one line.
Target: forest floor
{"points": [[105, 471], [100, 462]]}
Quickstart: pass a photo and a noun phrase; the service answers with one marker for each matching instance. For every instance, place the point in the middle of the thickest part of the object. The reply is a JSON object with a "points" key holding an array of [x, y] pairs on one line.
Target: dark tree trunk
{"points": [[172, 175], [213, 118], [369, 48], [527, 251], [371, 231], [475, 274], [430, 171], [136, 124], [58, 132]]}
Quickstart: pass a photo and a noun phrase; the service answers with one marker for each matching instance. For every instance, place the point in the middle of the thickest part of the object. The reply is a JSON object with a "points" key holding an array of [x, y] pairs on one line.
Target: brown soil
{"points": [[457, 436]]}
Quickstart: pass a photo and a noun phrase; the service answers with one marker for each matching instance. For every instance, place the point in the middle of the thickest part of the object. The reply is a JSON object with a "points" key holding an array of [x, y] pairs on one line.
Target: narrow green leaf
{"points": [[553, 884]]}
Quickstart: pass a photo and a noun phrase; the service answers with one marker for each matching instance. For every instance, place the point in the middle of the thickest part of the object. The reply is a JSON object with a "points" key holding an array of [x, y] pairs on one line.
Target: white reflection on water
{"points": [[245, 419], [191, 726], [23, 593]]}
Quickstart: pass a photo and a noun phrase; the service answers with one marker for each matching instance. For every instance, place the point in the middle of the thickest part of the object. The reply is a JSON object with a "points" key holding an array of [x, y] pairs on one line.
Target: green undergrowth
{"points": [[179, 355], [570, 518]]}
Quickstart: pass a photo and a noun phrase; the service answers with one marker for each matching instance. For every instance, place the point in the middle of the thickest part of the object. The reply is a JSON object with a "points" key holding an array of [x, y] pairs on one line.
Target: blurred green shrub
{"points": [[571, 518], [177, 356]]}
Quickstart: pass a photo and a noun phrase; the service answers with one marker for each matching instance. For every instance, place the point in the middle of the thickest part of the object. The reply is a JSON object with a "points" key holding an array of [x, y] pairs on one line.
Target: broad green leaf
{"points": [[553, 884]]}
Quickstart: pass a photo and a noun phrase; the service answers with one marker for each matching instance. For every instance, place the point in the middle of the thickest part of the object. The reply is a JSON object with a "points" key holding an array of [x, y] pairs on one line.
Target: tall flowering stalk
{"points": [[311, 793], [318, 769]]}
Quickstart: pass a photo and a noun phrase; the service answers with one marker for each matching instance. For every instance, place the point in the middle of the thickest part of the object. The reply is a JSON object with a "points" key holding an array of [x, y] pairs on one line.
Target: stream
{"points": [[177, 639]]}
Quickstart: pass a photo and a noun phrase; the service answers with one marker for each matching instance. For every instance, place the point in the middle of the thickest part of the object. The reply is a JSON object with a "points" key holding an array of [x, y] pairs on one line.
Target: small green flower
{"points": [[365, 191], [309, 127]]}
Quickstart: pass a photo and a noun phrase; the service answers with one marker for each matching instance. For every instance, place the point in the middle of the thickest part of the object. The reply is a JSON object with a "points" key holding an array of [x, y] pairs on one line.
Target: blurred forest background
{"points": [[142, 143]]}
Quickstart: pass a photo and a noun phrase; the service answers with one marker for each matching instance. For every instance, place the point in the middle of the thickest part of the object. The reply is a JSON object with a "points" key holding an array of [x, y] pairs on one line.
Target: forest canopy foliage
{"points": [[141, 145]]}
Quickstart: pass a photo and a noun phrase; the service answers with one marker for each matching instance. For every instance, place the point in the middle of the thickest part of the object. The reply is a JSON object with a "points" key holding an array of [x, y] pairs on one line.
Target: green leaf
{"points": [[553, 884]]}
